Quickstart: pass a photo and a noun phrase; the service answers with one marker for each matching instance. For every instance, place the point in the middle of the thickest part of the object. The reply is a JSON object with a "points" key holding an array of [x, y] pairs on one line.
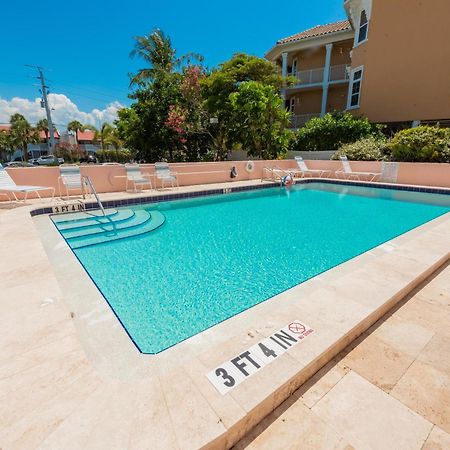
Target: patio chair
{"points": [[8, 185], [273, 174], [136, 178], [389, 172], [303, 169], [348, 174], [163, 173], [70, 180]]}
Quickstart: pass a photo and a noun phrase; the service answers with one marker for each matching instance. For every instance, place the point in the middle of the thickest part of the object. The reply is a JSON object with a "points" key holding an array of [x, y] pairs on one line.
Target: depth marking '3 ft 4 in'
{"points": [[233, 372]]}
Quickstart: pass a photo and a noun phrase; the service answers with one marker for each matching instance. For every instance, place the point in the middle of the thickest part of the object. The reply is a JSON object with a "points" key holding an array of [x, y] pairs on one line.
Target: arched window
{"points": [[363, 27]]}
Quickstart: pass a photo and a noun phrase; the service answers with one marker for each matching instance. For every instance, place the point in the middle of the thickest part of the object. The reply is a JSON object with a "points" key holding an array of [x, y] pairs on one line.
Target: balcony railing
{"points": [[315, 76], [299, 120]]}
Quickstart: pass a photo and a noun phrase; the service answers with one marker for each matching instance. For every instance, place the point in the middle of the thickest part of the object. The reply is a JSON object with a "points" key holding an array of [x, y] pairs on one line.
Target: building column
{"points": [[326, 81], [284, 64]]}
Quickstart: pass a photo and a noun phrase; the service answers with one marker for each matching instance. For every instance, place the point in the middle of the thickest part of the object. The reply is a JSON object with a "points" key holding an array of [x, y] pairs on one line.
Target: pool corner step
{"points": [[138, 226]]}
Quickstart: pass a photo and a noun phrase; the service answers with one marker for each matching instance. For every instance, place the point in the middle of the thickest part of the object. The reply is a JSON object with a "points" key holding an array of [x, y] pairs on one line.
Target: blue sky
{"points": [[86, 45]]}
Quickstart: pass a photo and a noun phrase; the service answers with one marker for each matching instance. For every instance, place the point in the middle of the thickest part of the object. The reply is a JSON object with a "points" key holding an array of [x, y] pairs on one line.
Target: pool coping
{"points": [[199, 415]]}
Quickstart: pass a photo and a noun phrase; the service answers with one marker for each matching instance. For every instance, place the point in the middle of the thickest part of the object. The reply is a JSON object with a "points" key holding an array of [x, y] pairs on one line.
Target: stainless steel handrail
{"points": [[89, 183]]}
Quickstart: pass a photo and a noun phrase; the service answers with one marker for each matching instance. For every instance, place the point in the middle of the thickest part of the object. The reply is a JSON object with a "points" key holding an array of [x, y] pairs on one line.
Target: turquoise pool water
{"points": [[216, 256]]}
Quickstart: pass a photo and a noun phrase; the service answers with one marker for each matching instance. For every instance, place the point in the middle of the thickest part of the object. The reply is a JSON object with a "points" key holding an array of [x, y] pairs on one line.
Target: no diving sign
{"points": [[234, 371]]}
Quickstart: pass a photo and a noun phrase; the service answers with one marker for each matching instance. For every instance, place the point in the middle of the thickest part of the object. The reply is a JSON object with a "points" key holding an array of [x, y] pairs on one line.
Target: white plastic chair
{"points": [[8, 185], [348, 173], [164, 174], [136, 177], [70, 180]]}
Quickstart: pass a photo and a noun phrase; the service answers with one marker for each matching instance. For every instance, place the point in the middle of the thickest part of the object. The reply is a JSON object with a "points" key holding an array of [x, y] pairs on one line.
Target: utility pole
{"points": [[44, 91]]}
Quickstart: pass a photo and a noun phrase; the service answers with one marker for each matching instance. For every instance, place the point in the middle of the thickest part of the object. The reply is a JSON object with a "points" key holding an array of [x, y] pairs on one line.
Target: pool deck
{"points": [[389, 389], [71, 378]]}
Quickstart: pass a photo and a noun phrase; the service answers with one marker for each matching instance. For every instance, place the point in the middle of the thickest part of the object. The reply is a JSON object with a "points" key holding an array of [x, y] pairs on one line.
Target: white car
{"points": [[47, 160]]}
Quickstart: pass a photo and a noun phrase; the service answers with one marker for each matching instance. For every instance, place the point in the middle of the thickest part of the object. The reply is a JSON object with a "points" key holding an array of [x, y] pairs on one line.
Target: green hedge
{"points": [[120, 156], [367, 149], [421, 144], [332, 130]]}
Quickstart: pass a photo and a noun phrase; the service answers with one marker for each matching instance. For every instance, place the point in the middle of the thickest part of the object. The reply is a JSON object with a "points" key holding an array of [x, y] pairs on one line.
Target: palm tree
{"points": [[156, 49], [22, 133], [42, 125], [6, 145], [75, 125], [108, 137]]}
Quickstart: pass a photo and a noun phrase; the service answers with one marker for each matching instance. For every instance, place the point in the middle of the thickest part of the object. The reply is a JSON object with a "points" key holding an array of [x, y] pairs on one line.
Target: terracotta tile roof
{"points": [[42, 134], [87, 135], [318, 30]]}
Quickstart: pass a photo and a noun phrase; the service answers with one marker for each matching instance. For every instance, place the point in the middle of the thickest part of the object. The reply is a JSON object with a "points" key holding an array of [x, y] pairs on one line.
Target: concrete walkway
{"points": [[389, 389]]}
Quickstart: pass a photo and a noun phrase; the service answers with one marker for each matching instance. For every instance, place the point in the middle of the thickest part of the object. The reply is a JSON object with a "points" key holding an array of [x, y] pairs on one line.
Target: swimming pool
{"points": [[213, 257]]}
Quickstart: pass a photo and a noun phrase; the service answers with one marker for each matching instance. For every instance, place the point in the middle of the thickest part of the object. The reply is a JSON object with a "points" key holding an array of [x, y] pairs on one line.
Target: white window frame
{"points": [[350, 87], [358, 29]]}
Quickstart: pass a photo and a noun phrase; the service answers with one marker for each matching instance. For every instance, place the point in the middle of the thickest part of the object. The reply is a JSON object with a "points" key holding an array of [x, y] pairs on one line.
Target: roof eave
{"points": [[277, 49]]}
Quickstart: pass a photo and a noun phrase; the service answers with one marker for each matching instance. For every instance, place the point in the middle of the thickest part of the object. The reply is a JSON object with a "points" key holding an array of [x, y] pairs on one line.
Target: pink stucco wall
{"points": [[110, 178]]}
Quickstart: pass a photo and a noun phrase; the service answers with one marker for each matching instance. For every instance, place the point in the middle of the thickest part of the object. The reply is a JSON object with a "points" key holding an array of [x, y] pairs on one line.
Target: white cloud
{"points": [[64, 110]]}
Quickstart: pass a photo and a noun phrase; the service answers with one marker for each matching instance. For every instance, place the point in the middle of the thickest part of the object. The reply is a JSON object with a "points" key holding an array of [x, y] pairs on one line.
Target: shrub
{"points": [[121, 156], [366, 149], [332, 130], [421, 144]]}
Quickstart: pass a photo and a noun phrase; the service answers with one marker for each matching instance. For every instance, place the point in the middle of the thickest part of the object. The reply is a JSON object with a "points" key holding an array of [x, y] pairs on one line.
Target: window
{"points": [[363, 27], [355, 88], [294, 67], [292, 105]]}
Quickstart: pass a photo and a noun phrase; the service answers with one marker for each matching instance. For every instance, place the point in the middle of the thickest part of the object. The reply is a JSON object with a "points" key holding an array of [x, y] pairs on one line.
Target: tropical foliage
{"points": [[21, 134], [421, 144], [332, 130], [182, 112], [366, 149]]}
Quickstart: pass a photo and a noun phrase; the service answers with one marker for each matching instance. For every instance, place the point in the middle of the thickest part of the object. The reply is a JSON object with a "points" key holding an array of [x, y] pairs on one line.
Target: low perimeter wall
{"points": [[111, 178]]}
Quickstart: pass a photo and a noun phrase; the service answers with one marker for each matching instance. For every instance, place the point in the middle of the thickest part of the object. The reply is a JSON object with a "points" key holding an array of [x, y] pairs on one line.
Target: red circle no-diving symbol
{"points": [[297, 327]]}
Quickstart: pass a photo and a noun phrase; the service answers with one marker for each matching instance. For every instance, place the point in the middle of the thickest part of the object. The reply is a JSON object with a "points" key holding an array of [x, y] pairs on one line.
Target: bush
{"points": [[421, 144], [120, 156], [366, 149], [332, 130]]}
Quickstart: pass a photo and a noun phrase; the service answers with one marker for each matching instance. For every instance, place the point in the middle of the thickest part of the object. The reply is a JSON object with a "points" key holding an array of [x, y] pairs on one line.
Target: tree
{"points": [[156, 49], [6, 145], [107, 136], [42, 125], [218, 87], [22, 134], [261, 121], [75, 125], [142, 127]]}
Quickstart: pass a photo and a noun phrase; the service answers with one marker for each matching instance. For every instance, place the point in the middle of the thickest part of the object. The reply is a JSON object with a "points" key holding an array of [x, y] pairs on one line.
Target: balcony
{"points": [[315, 76]]}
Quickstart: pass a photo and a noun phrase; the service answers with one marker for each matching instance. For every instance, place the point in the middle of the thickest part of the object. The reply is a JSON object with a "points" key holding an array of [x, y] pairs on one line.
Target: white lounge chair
{"points": [[163, 173], [273, 174], [348, 174], [136, 178], [303, 169], [70, 180], [8, 186]]}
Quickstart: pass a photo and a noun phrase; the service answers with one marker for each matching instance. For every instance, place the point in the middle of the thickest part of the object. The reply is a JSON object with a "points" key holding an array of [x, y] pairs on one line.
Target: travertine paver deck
{"points": [[390, 389], [71, 378]]}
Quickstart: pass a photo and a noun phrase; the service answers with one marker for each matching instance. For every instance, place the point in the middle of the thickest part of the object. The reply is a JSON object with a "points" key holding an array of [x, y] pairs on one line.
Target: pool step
{"points": [[140, 223], [81, 227]]}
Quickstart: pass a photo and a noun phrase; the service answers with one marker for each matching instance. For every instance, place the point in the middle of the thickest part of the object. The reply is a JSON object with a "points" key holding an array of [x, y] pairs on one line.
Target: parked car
{"points": [[18, 164], [89, 159], [47, 160]]}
